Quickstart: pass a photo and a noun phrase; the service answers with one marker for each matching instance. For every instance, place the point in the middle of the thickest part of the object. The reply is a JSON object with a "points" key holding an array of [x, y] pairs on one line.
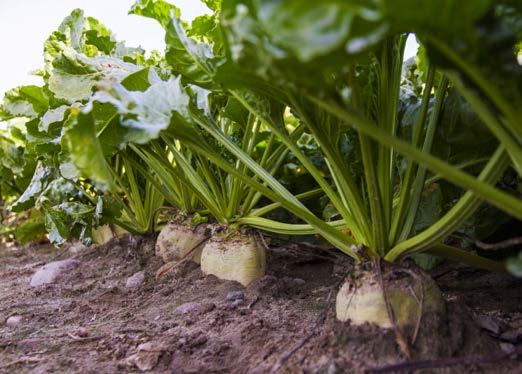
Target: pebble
{"points": [[77, 248], [82, 332], [135, 280], [507, 347], [50, 272], [13, 321], [235, 295]]}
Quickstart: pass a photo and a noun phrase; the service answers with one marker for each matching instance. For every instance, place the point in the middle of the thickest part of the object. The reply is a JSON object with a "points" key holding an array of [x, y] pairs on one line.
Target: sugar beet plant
{"points": [[182, 158], [264, 59], [207, 128], [340, 65], [78, 55]]}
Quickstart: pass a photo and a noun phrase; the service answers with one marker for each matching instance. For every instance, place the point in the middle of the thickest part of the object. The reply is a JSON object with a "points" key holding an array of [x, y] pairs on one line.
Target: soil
{"points": [[90, 322]]}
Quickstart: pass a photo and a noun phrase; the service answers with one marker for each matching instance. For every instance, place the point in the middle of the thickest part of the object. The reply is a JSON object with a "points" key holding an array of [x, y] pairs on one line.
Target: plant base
{"points": [[175, 241], [105, 233], [241, 259], [410, 294]]}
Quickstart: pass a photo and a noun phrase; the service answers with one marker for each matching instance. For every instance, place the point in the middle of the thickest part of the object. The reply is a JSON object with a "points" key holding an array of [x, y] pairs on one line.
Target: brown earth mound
{"points": [[93, 320]]}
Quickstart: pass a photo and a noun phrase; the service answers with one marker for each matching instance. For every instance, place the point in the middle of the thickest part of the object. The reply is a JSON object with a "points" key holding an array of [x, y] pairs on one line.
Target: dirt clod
{"points": [[235, 295], [147, 356], [135, 280]]}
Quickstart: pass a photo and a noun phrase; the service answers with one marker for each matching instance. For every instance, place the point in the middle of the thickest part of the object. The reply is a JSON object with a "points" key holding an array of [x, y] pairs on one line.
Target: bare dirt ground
{"points": [[90, 322]]}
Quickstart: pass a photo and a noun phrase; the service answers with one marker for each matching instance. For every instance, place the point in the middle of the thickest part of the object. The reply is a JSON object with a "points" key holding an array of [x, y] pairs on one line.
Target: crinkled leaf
{"points": [[52, 116], [11, 155], [36, 186], [263, 43], [312, 29], [186, 56], [203, 26], [25, 101], [452, 16], [159, 10], [85, 35], [215, 5], [43, 143], [57, 224], [140, 80], [99, 36], [69, 33], [31, 229], [74, 75], [59, 190], [146, 113], [85, 150]]}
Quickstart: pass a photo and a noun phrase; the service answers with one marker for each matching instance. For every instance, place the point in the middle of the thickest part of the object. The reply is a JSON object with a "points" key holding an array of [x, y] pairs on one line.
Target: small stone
{"points": [[507, 348], [135, 280], [77, 248], [13, 321], [512, 336], [50, 272], [82, 332], [235, 295], [237, 303], [187, 308], [298, 281], [195, 308]]}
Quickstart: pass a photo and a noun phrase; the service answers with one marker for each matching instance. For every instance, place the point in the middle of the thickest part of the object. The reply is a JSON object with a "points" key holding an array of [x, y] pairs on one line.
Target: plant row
{"points": [[290, 117]]}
